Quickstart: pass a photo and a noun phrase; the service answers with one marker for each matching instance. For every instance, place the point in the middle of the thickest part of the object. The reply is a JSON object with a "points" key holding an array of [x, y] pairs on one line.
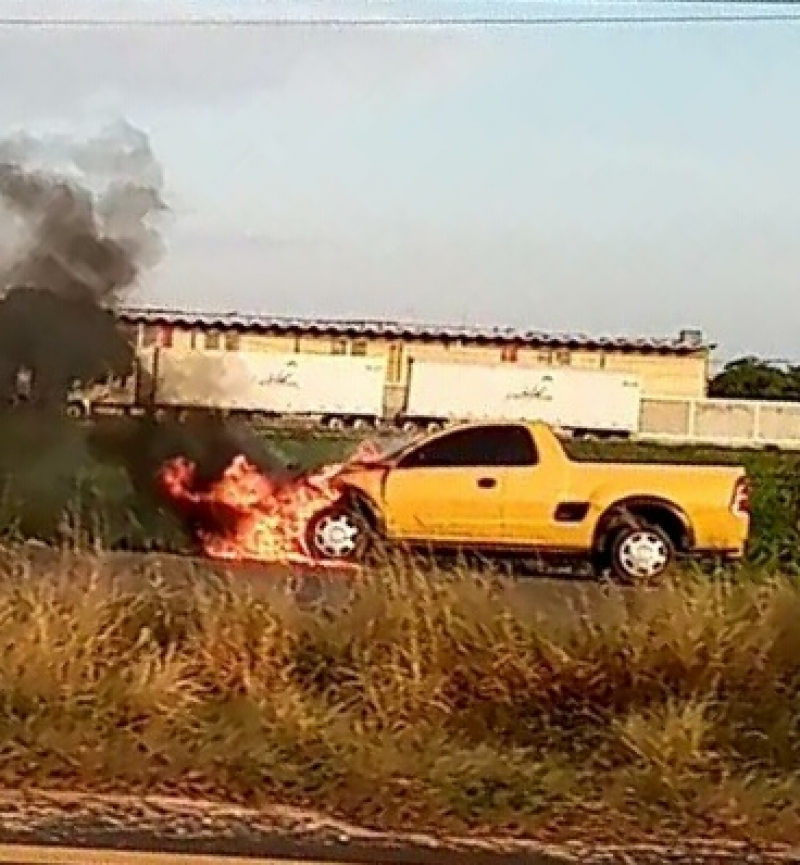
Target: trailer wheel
{"points": [[334, 423]]}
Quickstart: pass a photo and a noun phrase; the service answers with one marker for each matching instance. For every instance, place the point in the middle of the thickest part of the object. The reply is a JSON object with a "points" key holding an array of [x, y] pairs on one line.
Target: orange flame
{"points": [[247, 516]]}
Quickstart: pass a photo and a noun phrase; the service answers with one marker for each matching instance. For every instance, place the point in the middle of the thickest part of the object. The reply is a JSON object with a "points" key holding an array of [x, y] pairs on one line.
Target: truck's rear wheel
{"points": [[338, 534], [641, 555]]}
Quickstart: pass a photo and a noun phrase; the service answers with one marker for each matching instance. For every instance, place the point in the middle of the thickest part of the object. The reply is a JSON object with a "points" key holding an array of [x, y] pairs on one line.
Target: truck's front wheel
{"points": [[641, 555], [338, 534]]}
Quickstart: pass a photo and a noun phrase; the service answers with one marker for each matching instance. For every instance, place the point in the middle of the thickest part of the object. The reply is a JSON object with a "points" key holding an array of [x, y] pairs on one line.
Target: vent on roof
{"points": [[691, 336]]}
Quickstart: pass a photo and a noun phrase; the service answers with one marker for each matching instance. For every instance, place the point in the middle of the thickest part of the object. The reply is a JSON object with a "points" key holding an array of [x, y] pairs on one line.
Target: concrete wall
{"points": [[730, 422]]}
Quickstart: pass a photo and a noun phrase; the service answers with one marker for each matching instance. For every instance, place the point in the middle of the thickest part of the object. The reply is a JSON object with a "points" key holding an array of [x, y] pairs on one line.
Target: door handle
{"points": [[487, 483]]}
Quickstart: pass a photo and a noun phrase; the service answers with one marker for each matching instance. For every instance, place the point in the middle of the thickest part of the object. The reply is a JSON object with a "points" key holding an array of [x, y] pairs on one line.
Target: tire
{"points": [[641, 555], [338, 534], [76, 410]]}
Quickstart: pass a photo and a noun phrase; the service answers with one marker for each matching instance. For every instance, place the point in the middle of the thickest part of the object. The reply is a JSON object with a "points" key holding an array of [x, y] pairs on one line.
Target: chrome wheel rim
{"points": [[336, 536], [643, 554]]}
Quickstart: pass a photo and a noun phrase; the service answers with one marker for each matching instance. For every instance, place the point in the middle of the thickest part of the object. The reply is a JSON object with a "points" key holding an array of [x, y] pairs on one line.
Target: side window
{"points": [[485, 446]]}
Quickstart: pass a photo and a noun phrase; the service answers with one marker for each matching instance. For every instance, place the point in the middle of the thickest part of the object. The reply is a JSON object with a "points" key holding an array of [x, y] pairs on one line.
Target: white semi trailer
{"points": [[582, 401], [338, 390]]}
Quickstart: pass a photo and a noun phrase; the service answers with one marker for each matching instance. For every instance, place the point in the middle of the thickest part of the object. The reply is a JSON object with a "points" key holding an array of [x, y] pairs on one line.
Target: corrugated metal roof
{"points": [[409, 330]]}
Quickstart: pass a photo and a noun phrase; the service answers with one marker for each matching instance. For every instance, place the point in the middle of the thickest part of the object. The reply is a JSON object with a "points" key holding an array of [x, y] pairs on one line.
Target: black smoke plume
{"points": [[79, 224], [209, 442], [78, 231]]}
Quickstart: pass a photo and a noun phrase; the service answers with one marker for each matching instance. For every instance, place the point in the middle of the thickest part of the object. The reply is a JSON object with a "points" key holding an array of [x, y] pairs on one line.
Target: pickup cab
{"points": [[512, 488]]}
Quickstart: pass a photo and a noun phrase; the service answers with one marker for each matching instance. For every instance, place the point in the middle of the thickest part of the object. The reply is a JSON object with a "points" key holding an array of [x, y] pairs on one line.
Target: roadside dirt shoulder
{"points": [[188, 826]]}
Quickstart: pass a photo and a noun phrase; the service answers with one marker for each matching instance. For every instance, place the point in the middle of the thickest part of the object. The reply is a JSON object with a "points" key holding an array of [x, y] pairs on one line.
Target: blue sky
{"points": [[610, 179]]}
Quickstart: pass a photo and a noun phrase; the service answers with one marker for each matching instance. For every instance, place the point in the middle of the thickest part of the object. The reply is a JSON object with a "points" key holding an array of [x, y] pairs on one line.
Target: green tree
{"points": [[753, 378]]}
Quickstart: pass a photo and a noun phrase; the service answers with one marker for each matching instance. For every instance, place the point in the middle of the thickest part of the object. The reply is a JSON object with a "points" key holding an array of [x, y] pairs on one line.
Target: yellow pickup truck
{"points": [[511, 488]]}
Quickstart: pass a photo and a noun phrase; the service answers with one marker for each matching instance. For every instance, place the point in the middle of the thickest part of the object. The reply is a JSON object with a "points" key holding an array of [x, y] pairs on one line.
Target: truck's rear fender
{"points": [[650, 509]]}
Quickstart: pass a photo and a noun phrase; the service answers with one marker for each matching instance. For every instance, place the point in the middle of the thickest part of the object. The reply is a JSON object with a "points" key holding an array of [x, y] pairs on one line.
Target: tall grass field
{"points": [[421, 699]]}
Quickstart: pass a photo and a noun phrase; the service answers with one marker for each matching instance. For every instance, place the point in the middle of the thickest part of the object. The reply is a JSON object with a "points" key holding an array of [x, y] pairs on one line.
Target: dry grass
{"points": [[435, 700]]}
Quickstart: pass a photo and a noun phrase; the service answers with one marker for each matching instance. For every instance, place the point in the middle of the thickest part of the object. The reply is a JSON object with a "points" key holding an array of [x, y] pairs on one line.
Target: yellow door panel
{"points": [[533, 495], [528, 505], [445, 504]]}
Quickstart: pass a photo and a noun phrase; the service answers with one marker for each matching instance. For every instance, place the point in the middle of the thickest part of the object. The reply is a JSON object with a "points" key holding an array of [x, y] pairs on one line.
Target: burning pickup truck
{"points": [[511, 487], [488, 487]]}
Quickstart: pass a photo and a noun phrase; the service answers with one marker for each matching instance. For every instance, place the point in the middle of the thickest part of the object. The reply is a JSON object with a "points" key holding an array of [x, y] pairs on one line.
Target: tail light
{"points": [[740, 502]]}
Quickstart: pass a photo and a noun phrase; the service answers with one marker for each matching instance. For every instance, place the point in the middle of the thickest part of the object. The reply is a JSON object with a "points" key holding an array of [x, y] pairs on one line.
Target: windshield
{"points": [[394, 446], [394, 451]]}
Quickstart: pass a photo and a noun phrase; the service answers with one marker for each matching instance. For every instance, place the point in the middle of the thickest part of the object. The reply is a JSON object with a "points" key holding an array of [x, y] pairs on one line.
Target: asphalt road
{"points": [[545, 596], [12, 854], [141, 850], [68, 829], [19, 855], [62, 828]]}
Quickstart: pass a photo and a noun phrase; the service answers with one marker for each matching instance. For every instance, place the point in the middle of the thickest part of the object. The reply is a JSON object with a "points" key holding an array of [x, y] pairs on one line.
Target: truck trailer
{"points": [[336, 390], [581, 401]]}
